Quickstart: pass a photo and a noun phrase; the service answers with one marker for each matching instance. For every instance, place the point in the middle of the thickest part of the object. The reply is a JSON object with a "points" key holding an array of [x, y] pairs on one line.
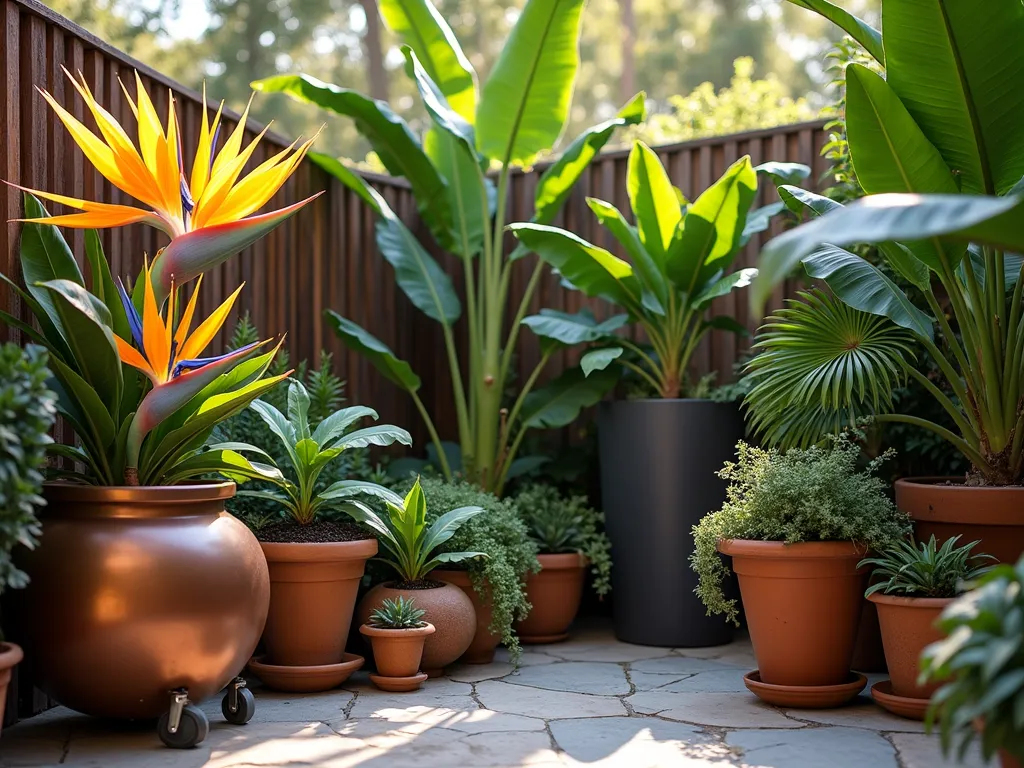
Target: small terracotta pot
{"points": [[802, 603], [994, 516], [908, 625], [554, 594], [313, 589], [10, 655], [481, 650], [447, 608], [1006, 760], [397, 652]]}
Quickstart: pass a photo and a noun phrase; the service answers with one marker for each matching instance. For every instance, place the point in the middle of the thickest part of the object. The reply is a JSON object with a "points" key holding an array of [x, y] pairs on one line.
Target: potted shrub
{"points": [[27, 407], [568, 537], [397, 632], [912, 584], [413, 549], [142, 565], [932, 145], [981, 663], [496, 584], [315, 564], [796, 525], [680, 255]]}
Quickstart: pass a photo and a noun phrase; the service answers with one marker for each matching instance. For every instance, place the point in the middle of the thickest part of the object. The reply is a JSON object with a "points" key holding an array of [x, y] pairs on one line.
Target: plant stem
{"points": [[958, 442], [524, 305], [434, 438]]}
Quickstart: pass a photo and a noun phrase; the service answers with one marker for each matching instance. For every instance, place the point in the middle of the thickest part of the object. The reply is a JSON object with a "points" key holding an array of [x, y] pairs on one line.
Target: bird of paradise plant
{"points": [[129, 372]]}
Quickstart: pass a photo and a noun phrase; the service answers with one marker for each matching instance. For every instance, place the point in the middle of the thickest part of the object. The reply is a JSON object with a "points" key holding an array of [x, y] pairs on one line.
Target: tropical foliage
{"points": [[150, 430], [518, 113], [982, 660], [680, 254], [27, 410], [925, 569], [817, 494], [936, 145]]}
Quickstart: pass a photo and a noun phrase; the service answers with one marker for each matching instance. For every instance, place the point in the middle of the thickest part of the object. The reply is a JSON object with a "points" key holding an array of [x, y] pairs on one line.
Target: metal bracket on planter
{"points": [[233, 688], [179, 698]]}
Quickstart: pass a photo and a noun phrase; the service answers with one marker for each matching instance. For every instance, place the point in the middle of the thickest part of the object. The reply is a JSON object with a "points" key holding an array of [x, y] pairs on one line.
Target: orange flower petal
{"points": [[154, 332], [204, 334], [186, 319], [131, 356]]}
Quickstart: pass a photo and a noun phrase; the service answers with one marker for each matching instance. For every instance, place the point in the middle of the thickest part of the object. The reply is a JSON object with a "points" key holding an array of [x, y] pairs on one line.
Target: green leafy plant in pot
{"points": [[913, 582], [28, 408], [397, 632], [315, 564], [681, 256], [135, 381], [569, 535], [413, 549], [796, 525], [516, 115], [934, 142], [981, 665]]}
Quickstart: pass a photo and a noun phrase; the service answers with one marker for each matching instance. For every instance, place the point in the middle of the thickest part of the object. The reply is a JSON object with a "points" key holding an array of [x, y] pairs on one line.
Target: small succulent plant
{"points": [[397, 613], [925, 569]]}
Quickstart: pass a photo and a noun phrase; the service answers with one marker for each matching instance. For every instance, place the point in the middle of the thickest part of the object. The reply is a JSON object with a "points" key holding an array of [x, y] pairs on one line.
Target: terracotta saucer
{"points": [[543, 639], [913, 709], [305, 679], [806, 697], [398, 684]]}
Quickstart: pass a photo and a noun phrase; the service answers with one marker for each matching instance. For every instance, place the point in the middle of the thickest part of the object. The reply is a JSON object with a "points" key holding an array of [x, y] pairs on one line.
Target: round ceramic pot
{"points": [[802, 603], [944, 507], [397, 652], [10, 655], [446, 607], [908, 625], [313, 588], [554, 595], [139, 590], [485, 642]]}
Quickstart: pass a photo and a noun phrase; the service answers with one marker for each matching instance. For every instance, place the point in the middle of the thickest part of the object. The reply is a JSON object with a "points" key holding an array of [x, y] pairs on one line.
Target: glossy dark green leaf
{"points": [[651, 271], [739, 279], [599, 359], [45, 255], [580, 328], [783, 173], [559, 402], [869, 37], [374, 350], [103, 284]]}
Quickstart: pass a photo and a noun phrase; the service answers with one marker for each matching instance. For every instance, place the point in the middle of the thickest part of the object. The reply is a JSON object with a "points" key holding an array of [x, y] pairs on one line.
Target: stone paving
{"points": [[590, 701]]}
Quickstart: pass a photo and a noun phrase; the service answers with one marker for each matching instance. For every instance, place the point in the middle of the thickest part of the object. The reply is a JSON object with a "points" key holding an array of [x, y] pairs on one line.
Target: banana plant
{"points": [[311, 451], [459, 172], [936, 143], [680, 252]]}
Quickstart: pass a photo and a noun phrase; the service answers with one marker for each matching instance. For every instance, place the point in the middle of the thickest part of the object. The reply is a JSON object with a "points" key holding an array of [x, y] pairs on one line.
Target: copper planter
{"points": [[136, 591]]}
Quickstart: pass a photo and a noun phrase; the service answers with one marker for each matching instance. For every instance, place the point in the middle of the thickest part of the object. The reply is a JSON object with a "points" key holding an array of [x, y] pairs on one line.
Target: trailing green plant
{"points": [[311, 451], [935, 144], [502, 535], [27, 411], [559, 523], [412, 541], [814, 494], [397, 613], [982, 660], [680, 252], [925, 569], [519, 112]]}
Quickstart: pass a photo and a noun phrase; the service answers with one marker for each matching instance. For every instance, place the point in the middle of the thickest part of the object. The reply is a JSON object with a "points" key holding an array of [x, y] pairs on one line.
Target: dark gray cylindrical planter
{"points": [[658, 465]]}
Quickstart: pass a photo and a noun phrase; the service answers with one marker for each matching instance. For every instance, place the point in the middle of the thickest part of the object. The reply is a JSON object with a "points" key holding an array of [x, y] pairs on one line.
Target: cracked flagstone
{"points": [[548, 705], [814, 748], [598, 678], [637, 743]]}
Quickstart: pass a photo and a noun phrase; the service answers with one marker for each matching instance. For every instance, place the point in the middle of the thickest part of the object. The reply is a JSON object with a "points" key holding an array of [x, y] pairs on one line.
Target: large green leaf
{"points": [[957, 67], [650, 271], [801, 200], [87, 404], [345, 489], [713, 228], [103, 284], [525, 101], [417, 273], [783, 173], [388, 134], [653, 199], [229, 463], [442, 529], [445, 118], [382, 435], [559, 402], [581, 328], [423, 29], [723, 286], [869, 37], [599, 359], [374, 350], [863, 286], [593, 270], [45, 256], [995, 221], [338, 422]]}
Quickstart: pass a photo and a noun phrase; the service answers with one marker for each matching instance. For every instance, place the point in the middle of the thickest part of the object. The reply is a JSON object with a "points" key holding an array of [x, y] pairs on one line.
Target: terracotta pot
{"points": [[313, 589], [802, 603], [1006, 760], [481, 650], [10, 655], [447, 608], [138, 590], [868, 653], [554, 594], [397, 652], [907, 627], [993, 516]]}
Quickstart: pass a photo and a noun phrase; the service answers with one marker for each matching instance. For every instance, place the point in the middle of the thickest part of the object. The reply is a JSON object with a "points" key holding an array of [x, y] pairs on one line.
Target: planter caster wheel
{"points": [[239, 705], [185, 725]]}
